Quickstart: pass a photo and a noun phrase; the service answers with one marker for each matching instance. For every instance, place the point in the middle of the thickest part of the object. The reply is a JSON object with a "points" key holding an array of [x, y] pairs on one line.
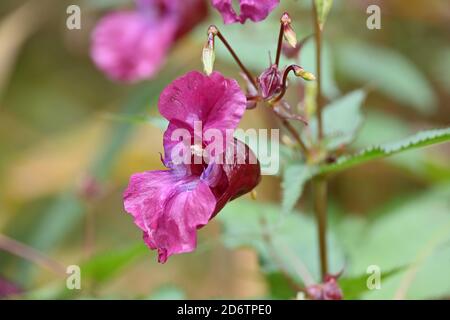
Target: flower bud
{"points": [[208, 55], [305, 75], [288, 31], [270, 82]]}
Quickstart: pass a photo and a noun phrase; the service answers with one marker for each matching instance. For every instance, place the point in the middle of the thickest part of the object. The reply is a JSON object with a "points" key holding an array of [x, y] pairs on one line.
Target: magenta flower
{"points": [[255, 10], [170, 205], [132, 45]]}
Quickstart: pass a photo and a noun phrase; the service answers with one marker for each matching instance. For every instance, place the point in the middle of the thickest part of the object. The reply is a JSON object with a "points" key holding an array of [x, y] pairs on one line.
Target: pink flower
{"points": [[132, 45], [170, 205], [255, 10]]}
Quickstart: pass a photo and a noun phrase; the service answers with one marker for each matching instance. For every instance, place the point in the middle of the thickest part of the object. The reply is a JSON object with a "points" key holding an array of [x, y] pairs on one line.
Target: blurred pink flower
{"points": [[255, 10], [328, 290], [132, 45], [170, 205], [8, 288]]}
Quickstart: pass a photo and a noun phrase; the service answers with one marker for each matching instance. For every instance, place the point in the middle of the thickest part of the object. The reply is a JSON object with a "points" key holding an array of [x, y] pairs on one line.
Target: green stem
{"points": [[318, 40], [320, 208]]}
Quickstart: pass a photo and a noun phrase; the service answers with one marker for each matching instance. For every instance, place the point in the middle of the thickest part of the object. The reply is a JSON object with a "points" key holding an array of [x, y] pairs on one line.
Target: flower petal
{"points": [[255, 10], [225, 7], [214, 100], [169, 207], [241, 174]]}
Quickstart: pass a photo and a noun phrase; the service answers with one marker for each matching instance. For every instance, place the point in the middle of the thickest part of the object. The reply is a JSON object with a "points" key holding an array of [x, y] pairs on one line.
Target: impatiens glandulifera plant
{"points": [[170, 205]]}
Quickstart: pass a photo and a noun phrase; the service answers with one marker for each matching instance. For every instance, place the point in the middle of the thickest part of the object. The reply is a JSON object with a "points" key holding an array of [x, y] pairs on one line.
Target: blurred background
{"points": [[70, 138]]}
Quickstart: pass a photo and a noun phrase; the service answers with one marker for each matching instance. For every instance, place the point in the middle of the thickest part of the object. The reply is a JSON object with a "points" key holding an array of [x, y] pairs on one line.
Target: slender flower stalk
{"points": [[215, 31], [299, 72], [296, 136], [21, 250], [279, 45]]}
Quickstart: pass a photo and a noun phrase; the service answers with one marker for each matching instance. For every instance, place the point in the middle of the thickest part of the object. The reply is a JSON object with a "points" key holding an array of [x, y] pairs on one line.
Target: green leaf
{"points": [[427, 165], [389, 71], [419, 140], [414, 237], [354, 287], [323, 8], [104, 266], [279, 287], [294, 178], [293, 238], [342, 118]]}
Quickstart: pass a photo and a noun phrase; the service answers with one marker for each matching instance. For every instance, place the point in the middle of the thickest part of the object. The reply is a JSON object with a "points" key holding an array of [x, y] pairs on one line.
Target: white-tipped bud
{"points": [[208, 54], [208, 57]]}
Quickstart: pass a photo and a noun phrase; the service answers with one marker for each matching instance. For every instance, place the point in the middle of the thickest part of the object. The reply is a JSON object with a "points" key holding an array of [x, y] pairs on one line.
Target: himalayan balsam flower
{"points": [[170, 205], [255, 10], [132, 45]]}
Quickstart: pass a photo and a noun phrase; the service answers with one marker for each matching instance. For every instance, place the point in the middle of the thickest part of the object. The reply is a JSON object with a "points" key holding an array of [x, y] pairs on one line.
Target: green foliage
{"points": [[342, 119], [279, 287], [419, 162], [104, 266], [288, 242], [355, 287], [419, 140], [392, 74], [294, 178], [411, 240]]}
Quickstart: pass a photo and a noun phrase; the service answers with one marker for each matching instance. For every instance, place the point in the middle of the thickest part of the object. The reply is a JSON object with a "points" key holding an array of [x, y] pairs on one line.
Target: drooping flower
{"points": [[132, 45], [170, 205], [255, 10]]}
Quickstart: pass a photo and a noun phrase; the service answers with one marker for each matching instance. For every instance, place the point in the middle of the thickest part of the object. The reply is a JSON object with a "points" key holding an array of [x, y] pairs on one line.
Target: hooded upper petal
{"points": [[213, 102], [255, 10], [128, 46], [169, 207]]}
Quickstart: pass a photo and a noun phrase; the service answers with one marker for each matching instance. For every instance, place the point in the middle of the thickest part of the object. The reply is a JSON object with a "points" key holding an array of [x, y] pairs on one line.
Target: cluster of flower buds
{"points": [[328, 290], [271, 85]]}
